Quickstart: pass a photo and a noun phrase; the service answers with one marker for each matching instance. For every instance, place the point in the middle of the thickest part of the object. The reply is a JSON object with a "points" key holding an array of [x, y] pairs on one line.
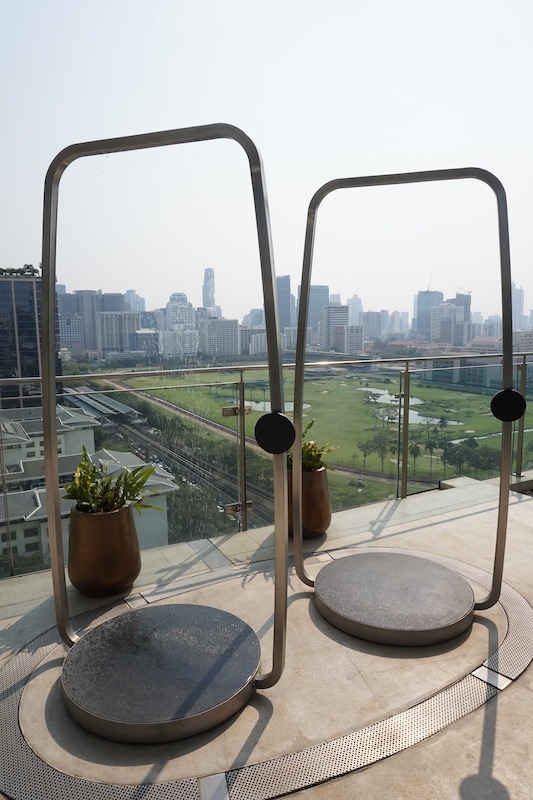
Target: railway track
{"points": [[226, 484]]}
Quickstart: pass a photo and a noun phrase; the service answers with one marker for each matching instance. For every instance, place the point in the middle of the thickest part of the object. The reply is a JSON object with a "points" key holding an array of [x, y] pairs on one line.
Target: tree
{"points": [[430, 446], [487, 459], [371, 397], [366, 448], [443, 421], [381, 447], [414, 451]]}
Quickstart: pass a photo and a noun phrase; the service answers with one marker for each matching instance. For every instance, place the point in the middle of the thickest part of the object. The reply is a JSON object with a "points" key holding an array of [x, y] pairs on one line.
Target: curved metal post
{"points": [[503, 228], [51, 191]]}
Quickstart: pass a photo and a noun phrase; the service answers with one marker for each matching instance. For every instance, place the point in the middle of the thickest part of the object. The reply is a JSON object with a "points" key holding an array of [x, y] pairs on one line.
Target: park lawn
{"points": [[344, 496], [344, 418]]}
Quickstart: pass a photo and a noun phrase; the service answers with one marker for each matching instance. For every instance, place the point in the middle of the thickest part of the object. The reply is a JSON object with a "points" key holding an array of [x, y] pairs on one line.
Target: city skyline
{"points": [[399, 89], [517, 291]]}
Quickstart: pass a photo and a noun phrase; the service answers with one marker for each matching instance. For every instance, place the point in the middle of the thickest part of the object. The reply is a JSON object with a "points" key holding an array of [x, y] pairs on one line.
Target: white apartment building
{"points": [[219, 337]]}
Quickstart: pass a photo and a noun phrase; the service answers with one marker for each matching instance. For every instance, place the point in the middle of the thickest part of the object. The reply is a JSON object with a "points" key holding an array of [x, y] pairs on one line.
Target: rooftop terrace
{"points": [[347, 719]]}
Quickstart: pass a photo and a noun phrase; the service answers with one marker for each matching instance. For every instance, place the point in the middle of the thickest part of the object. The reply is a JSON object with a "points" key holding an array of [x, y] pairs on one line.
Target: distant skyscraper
{"points": [[355, 309], [208, 288], [425, 301], [332, 328], [318, 299], [136, 304], [283, 289], [464, 300], [180, 313], [517, 300], [20, 314]]}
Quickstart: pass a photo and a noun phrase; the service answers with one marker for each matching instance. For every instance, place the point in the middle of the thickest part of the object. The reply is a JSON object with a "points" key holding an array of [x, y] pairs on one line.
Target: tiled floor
{"points": [[332, 684]]}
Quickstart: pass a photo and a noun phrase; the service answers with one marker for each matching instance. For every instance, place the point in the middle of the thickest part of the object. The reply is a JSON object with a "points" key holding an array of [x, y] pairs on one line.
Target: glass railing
{"points": [[395, 428]]}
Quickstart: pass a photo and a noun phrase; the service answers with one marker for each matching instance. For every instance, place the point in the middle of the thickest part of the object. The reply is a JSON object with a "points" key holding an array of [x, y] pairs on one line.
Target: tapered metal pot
{"points": [[104, 557], [316, 503]]}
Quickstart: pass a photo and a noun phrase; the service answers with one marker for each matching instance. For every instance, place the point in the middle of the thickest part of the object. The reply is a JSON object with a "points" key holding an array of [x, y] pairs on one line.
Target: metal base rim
{"points": [[392, 598], [199, 665]]}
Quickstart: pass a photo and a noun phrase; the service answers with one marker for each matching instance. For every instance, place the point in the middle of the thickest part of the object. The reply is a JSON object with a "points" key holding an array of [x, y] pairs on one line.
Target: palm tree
{"points": [[366, 448], [443, 421], [430, 445], [414, 451]]}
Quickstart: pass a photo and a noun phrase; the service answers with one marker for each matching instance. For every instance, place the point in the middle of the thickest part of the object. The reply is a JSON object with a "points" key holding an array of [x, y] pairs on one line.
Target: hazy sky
{"points": [[325, 90]]}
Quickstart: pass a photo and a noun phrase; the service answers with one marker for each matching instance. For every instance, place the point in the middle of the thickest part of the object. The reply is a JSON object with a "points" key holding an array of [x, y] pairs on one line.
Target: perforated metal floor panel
{"points": [[23, 776]]}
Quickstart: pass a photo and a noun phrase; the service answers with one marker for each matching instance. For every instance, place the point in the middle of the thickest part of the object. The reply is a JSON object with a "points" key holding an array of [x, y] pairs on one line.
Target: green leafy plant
{"points": [[95, 491], [312, 454]]}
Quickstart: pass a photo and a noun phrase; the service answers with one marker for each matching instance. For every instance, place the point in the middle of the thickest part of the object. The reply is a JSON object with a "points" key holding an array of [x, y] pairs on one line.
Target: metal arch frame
{"points": [[505, 267], [51, 193]]}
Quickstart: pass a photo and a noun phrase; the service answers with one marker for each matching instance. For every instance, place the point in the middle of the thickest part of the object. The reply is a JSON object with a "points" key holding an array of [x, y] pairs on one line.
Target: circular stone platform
{"points": [[160, 673], [394, 598]]}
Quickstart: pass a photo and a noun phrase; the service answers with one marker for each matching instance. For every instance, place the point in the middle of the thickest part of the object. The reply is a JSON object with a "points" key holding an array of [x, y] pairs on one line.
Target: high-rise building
{"points": [[425, 301], [318, 299], [355, 309], [208, 288], [84, 305], [20, 314], [283, 291], [464, 300], [447, 323], [113, 329], [517, 300], [354, 339], [332, 328], [180, 313], [219, 337], [136, 304], [372, 324]]}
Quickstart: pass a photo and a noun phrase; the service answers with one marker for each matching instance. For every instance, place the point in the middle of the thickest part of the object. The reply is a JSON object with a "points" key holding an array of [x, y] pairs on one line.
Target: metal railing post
{"points": [[404, 414], [243, 487], [522, 370]]}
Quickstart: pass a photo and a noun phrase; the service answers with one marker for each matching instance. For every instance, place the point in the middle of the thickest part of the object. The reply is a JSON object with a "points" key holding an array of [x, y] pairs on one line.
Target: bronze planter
{"points": [[104, 557], [316, 503]]}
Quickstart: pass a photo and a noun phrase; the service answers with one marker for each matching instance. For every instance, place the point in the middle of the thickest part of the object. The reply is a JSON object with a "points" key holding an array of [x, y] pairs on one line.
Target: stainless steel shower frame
{"points": [[507, 347], [51, 197]]}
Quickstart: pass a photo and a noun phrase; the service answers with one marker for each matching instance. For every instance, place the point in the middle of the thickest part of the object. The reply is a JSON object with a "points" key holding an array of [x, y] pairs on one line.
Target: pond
{"points": [[415, 417]]}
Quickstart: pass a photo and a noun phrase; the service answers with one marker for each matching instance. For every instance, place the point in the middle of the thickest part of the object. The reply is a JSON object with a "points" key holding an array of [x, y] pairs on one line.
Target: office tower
{"points": [[208, 288], [355, 309], [425, 301], [219, 337], [447, 323], [283, 290], [180, 314], [354, 339], [20, 317], [113, 329], [332, 328], [136, 304], [81, 308], [464, 300], [318, 299], [372, 324], [517, 300]]}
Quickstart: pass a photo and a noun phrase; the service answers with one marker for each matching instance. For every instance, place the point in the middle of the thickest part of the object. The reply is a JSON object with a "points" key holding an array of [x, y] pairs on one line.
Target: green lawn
{"points": [[345, 418]]}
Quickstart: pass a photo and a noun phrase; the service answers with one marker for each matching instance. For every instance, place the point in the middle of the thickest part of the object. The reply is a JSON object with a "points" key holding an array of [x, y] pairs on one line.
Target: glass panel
{"points": [[354, 412], [452, 431]]}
